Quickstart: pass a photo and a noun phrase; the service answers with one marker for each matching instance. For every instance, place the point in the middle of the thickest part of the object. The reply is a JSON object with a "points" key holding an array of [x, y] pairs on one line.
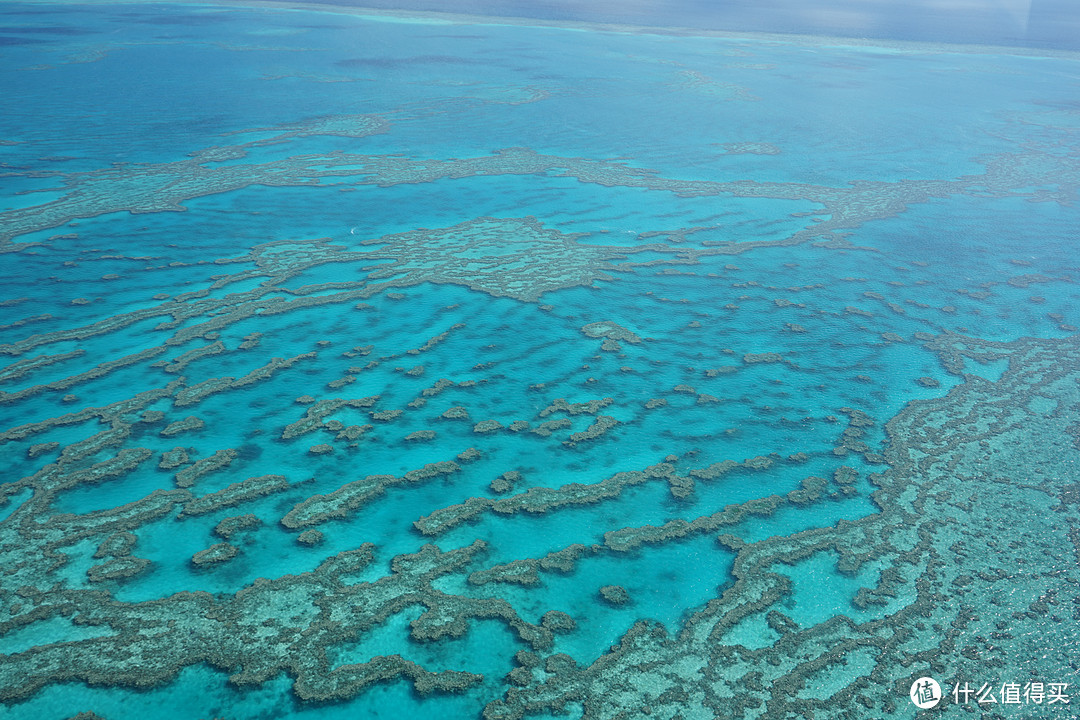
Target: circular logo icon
{"points": [[925, 693]]}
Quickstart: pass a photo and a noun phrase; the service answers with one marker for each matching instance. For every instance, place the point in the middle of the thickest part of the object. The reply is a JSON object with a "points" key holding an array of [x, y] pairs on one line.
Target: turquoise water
{"points": [[718, 376]]}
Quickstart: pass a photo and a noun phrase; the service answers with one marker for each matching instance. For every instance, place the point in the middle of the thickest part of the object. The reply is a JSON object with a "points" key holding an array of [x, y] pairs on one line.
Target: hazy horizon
{"points": [[1025, 23]]}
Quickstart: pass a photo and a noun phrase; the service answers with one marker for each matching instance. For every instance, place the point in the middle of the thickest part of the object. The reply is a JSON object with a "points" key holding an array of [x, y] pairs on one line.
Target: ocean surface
{"points": [[369, 365]]}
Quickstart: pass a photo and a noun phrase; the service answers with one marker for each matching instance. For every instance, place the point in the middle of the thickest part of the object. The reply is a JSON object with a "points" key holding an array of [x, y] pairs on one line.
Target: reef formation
{"points": [[555, 453]]}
